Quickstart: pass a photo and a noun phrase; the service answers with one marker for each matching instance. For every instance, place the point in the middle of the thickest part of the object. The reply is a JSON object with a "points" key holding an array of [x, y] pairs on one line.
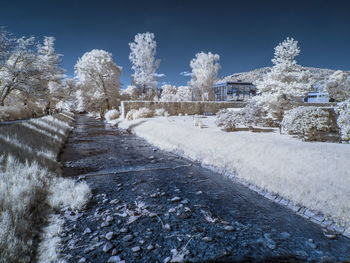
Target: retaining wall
{"points": [[183, 107]]}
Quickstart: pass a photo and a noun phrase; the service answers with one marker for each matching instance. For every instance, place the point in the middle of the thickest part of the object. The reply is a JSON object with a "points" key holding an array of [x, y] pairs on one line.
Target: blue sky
{"points": [[243, 33]]}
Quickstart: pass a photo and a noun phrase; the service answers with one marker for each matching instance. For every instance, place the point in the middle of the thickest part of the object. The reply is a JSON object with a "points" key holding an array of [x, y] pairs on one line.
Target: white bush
{"points": [[29, 190], [249, 116], [338, 85], [343, 120], [138, 114], [307, 122], [112, 115], [160, 112]]}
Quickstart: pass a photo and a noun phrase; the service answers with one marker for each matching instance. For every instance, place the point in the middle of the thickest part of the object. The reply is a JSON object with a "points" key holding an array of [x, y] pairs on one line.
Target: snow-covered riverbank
{"points": [[313, 175]]}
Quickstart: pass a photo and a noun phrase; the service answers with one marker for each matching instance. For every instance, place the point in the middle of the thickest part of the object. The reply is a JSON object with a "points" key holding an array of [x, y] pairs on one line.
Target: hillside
{"points": [[318, 74]]}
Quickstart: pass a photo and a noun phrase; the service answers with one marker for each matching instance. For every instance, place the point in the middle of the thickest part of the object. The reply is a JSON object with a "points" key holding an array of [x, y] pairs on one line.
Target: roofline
{"points": [[233, 82]]}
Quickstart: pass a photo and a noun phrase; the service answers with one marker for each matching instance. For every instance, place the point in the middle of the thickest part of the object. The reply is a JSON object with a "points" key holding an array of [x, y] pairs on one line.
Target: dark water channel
{"points": [[153, 206]]}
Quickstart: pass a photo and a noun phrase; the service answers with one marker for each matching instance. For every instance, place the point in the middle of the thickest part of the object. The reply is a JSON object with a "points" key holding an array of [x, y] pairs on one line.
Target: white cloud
{"points": [[159, 75], [185, 73]]}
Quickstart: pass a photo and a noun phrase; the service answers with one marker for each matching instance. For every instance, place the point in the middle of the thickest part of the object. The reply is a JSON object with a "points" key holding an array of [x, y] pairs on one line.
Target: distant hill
{"points": [[320, 75]]}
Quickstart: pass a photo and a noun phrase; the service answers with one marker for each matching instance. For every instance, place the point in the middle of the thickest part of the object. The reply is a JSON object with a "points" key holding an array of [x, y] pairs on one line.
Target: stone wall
{"points": [[184, 107]]}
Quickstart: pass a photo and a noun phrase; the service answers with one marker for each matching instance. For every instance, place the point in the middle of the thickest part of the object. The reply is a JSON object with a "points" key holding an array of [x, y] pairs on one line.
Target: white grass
{"points": [[47, 251], [112, 115], [314, 175], [29, 192], [68, 192]]}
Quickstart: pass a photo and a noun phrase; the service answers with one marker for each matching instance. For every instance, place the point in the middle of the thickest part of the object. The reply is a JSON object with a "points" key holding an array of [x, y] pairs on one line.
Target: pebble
{"points": [[114, 259], [114, 201], [104, 224], [124, 230], [172, 210], [82, 260], [166, 260], [142, 242], [109, 235], [176, 199], [150, 247], [199, 193], [136, 249], [167, 227], [184, 201], [107, 247], [87, 231], [207, 239], [229, 228], [109, 219], [114, 252], [128, 238]]}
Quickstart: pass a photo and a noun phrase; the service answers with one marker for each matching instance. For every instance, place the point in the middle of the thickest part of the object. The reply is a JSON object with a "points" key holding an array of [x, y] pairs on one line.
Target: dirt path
{"points": [[153, 206]]}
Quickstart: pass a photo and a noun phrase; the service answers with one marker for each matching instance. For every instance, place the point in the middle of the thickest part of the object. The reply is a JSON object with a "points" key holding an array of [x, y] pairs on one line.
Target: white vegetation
{"points": [[161, 112], [18, 67], [338, 85], [307, 122], [315, 175], [173, 93], [140, 113], [27, 67], [30, 190], [130, 93], [144, 64], [48, 62], [251, 115], [205, 67], [112, 115], [99, 81], [286, 84], [343, 120]]}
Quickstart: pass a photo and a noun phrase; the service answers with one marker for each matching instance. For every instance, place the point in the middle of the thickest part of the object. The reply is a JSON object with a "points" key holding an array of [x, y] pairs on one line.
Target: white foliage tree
{"points": [[184, 93], [286, 83], [168, 93], [18, 68], [98, 79], [49, 61], [173, 93], [64, 94], [205, 67], [144, 64], [338, 86], [130, 93]]}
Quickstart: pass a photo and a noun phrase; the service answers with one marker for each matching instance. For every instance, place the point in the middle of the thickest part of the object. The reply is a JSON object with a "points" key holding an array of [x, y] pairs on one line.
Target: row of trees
{"points": [[33, 71], [99, 77]]}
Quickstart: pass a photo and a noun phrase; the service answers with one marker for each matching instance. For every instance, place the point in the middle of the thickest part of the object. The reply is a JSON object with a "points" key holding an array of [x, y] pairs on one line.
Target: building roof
{"points": [[225, 83]]}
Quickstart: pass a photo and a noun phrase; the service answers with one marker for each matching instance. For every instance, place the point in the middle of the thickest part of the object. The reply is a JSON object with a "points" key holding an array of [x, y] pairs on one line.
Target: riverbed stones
{"points": [[107, 247], [136, 249], [175, 199], [109, 235], [128, 238]]}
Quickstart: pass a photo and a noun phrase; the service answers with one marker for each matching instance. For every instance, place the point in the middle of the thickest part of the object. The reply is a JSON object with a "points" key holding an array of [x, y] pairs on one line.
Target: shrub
{"points": [[29, 190], [247, 117], [112, 115], [140, 113], [307, 122], [343, 120], [160, 112]]}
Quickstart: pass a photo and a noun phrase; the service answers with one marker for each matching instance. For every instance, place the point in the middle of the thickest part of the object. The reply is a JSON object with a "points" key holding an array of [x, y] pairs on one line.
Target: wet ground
{"points": [[153, 206]]}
